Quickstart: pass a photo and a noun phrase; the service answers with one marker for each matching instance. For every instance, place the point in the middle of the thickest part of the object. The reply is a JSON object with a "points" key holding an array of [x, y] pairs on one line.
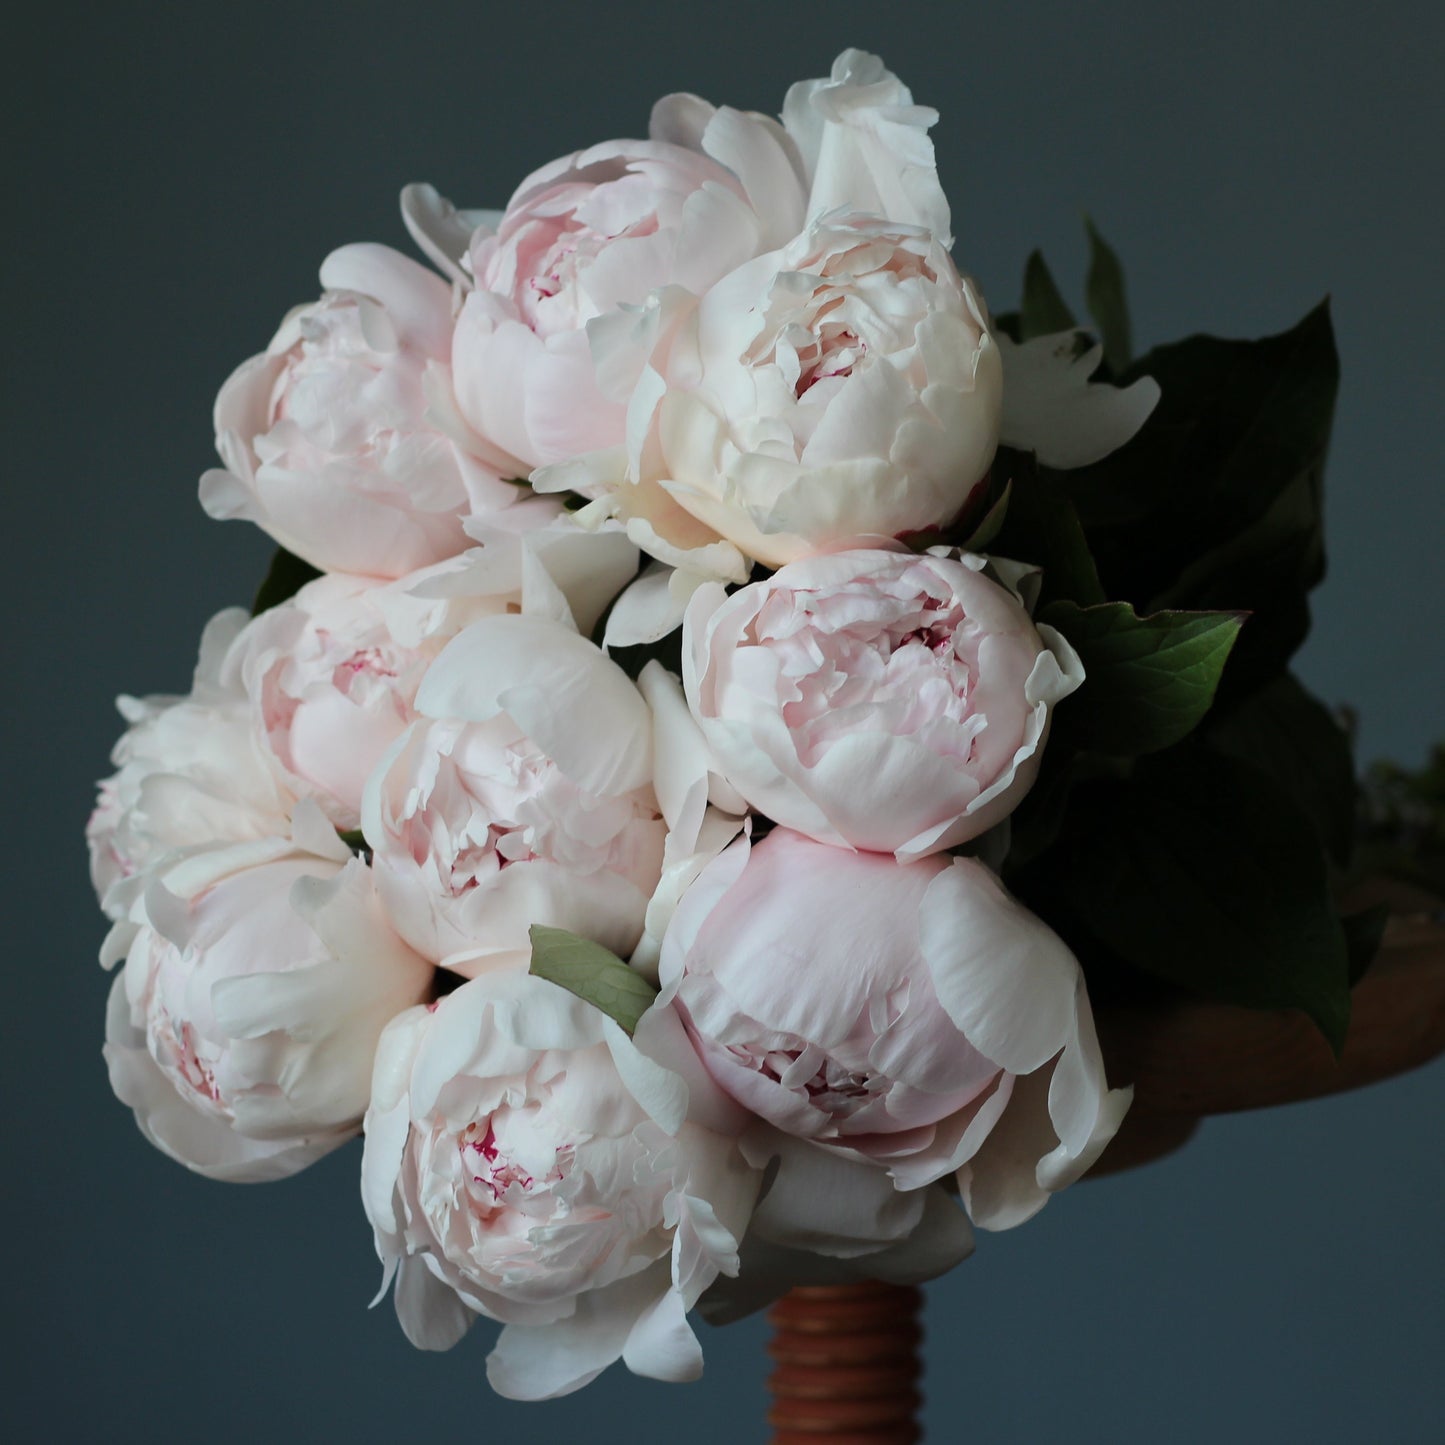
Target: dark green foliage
{"points": [[1195, 802], [1196, 870], [1043, 310], [1108, 305], [285, 577]]}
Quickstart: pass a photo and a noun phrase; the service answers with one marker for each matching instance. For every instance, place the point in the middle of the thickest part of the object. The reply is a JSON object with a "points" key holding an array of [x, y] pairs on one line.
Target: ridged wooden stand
{"points": [[847, 1366]]}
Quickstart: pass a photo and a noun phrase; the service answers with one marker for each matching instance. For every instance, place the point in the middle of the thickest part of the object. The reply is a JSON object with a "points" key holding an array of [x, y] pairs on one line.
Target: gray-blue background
{"points": [[178, 172]]}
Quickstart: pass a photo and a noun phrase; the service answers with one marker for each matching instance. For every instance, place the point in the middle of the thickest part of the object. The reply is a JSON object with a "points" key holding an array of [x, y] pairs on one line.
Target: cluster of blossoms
{"points": [[725, 380]]}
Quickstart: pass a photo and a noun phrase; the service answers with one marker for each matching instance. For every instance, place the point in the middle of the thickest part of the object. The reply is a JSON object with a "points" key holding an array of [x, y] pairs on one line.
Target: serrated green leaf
{"points": [[595, 974], [1198, 871], [1104, 295], [285, 577], [1043, 310], [1148, 681], [1296, 741]]}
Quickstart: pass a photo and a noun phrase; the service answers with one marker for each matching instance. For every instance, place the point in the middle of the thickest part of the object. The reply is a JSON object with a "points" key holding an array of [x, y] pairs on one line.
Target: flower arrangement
{"points": [[723, 705]]}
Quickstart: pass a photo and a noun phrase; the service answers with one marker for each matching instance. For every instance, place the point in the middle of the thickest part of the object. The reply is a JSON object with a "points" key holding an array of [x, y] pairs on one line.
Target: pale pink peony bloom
{"points": [[522, 795], [342, 439], [332, 688], [243, 1026], [914, 1016], [844, 387], [876, 699], [190, 773], [526, 1161], [583, 237]]}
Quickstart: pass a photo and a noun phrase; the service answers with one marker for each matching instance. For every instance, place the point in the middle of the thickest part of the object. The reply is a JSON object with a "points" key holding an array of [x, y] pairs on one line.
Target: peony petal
{"points": [[431, 1315], [662, 1345], [647, 611], [417, 302], [546, 679], [1053, 409], [825, 1202], [1005, 978], [443, 233], [545, 1362]]}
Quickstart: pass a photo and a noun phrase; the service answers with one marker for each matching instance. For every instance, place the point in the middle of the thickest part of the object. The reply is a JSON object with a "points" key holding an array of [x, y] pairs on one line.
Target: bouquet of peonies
{"points": [[704, 648]]}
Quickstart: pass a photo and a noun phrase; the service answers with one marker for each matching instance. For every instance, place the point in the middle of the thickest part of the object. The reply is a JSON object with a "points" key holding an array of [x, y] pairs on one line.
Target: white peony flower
{"points": [[845, 387], [342, 439], [582, 238], [915, 1017], [879, 700], [526, 1161], [523, 795], [243, 1026], [190, 773]]}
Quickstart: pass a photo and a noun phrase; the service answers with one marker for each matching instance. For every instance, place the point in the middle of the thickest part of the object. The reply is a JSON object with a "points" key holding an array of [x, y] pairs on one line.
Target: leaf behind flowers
{"points": [[285, 577], [1108, 305], [1294, 739], [1217, 502], [1043, 310], [595, 974], [1040, 525], [1148, 681], [1196, 870]]}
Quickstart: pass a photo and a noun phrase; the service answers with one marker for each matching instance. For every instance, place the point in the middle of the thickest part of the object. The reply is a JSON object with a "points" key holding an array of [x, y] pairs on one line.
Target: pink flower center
{"points": [[366, 663], [872, 656], [836, 352], [504, 845], [176, 1050], [830, 1086], [517, 1169], [498, 1174]]}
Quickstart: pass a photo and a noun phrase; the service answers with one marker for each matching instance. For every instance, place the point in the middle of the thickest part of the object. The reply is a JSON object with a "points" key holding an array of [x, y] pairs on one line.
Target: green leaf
{"points": [[285, 577], [355, 839], [595, 974], [1010, 323], [1148, 681], [1294, 739], [1043, 310], [1040, 526], [1269, 568], [666, 650], [1036, 823], [1198, 871], [1364, 932], [991, 523], [1216, 502], [1107, 303]]}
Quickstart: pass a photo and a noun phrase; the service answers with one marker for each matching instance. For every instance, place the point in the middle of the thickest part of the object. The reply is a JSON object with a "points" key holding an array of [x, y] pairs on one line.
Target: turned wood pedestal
{"points": [[847, 1364]]}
